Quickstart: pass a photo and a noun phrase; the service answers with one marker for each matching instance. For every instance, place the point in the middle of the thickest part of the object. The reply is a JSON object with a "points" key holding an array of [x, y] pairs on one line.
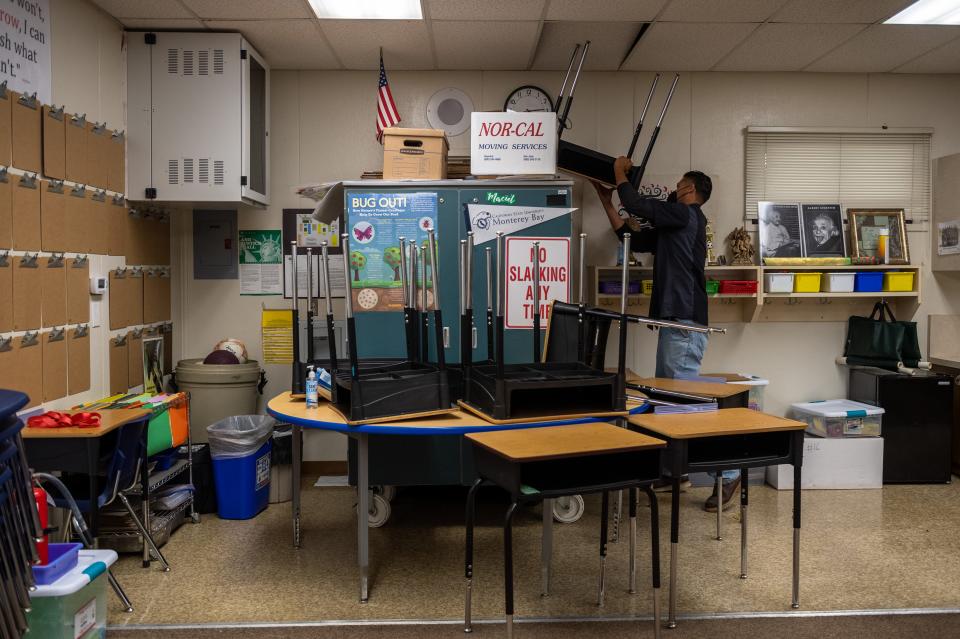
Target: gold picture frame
{"points": [[864, 229]]}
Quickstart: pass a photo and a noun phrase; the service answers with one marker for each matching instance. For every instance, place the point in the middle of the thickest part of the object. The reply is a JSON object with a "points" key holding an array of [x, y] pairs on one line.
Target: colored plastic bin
{"points": [[898, 281], [242, 484], [62, 558], [738, 287], [713, 287], [647, 287], [75, 605], [868, 282], [806, 282]]}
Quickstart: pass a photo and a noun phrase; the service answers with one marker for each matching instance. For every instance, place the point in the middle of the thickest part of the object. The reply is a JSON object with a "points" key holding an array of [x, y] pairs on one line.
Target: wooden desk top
{"points": [[704, 389], [455, 422], [109, 420], [554, 442], [730, 421]]}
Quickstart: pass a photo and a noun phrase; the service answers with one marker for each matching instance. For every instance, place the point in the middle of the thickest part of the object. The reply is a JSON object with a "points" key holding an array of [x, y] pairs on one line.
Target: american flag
{"points": [[387, 114]]}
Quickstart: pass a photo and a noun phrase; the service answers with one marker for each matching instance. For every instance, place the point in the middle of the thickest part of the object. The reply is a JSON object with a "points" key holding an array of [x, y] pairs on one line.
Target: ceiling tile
{"points": [[485, 45], [682, 46], [884, 47], [249, 9], [786, 47], [604, 10], [836, 11], [944, 59], [720, 10], [162, 24], [609, 43], [144, 8], [286, 44], [486, 10], [406, 43]]}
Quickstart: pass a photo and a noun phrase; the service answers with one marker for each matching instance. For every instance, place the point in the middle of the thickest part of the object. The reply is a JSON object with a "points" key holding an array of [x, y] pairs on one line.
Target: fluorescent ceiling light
{"points": [[929, 12], [367, 9]]}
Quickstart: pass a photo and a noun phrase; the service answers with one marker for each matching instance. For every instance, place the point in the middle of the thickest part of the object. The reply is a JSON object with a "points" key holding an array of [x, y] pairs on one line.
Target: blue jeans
{"points": [[679, 354]]}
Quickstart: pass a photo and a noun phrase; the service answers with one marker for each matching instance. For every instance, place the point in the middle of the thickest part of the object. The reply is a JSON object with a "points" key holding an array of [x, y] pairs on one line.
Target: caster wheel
{"points": [[379, 511], [388, 492], [567, 510]]}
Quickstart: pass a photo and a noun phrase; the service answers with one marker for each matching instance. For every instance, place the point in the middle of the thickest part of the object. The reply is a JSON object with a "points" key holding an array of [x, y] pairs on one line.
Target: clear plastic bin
{"points": [[839, 418], [75, 605]]}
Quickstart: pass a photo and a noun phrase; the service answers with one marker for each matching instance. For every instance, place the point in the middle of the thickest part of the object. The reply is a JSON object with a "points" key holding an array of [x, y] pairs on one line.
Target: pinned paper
{"points": [[277, 335]]}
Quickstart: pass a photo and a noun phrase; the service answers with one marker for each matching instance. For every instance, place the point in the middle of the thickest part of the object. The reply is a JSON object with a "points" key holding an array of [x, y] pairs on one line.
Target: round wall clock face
{"points": [[528, 98]]}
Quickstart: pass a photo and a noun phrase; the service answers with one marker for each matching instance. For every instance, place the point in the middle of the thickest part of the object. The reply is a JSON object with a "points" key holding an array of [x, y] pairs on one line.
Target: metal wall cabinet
{"points": [[198, 112]]}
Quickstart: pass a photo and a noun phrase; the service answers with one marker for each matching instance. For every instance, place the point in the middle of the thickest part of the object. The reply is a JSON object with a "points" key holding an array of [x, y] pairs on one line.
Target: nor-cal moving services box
{"points": [[834, 463], [414, 154]]}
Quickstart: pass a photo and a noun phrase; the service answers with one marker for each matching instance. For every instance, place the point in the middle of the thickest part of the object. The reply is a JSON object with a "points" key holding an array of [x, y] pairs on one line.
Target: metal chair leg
{"points": [[143, 531], [127, 606]]}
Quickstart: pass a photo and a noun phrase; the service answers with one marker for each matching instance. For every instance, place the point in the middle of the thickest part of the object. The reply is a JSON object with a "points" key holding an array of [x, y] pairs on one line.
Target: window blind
{"points": [[858, 170]]}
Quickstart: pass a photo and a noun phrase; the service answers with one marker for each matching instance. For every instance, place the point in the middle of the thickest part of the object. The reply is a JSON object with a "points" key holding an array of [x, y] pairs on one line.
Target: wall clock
{"points": [[528, 98]]}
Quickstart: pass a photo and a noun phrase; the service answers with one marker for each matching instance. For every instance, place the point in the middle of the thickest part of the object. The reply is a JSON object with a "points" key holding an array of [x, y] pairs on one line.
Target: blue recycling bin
{"points": [[240, 447]]}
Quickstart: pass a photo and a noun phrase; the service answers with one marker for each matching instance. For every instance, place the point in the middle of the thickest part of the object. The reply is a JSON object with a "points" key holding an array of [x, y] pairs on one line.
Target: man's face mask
{"points": [[672, 198]]}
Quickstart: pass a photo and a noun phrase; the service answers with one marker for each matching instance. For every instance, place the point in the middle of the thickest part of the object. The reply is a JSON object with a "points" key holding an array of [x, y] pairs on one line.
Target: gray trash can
{"points": [[218, 391]]}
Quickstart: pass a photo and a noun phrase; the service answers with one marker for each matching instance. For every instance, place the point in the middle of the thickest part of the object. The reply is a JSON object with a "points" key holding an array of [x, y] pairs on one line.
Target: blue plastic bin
{"points": [[242, 484], [63, 559], [868, 282]]}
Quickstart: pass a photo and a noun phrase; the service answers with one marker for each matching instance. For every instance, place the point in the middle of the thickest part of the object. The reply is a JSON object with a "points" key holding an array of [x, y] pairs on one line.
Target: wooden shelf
{"points": [[866, 267], [827, 294]]}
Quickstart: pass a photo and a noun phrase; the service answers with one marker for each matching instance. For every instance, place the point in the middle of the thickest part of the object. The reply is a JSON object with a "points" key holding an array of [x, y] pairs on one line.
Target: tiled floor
{"points": [[893, 548]]}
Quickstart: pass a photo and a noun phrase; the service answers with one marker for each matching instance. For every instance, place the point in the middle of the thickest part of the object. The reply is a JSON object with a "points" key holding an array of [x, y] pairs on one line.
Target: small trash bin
{"points": [[281, 460], [240, 448]]}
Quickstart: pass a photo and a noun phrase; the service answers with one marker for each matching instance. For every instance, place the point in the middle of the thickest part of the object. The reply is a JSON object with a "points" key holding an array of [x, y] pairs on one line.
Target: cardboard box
{"points": [[414, 154], [834, 463]]}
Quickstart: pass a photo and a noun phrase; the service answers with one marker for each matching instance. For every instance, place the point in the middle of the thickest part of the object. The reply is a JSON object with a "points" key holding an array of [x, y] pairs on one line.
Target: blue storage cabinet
{"points": [[445, 460]]}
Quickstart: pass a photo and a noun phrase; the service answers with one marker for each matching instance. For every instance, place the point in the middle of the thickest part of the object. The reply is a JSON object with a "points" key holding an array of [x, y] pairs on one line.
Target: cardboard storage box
{"points": [[414, 154], [834, 463]]}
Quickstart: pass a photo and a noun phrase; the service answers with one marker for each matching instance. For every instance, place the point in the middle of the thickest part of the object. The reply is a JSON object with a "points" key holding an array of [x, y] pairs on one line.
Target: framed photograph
{"points": [[822, 227], [865, 227], [779, 229], [153, 365]]}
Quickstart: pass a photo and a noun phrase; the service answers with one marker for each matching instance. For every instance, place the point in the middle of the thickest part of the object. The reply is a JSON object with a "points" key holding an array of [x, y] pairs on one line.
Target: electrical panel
{"points": [[198, 116]]}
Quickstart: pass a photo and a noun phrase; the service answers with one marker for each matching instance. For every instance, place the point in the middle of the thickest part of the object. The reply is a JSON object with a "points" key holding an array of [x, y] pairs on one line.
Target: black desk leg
{"points": [[633, 541], [145, 498], [93, 453], [674, 543], [604, 512], [744, 499], [508, 566], [655, 557], [468, 560], [796, 536]]}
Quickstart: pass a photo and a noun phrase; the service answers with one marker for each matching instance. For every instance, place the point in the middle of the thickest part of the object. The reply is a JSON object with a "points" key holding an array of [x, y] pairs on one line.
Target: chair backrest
{"points": [[125, 464], [563, 336]]}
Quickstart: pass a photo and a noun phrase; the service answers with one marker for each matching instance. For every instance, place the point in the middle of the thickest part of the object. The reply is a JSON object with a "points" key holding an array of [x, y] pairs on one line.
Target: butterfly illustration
{"points": [[363, 235]]}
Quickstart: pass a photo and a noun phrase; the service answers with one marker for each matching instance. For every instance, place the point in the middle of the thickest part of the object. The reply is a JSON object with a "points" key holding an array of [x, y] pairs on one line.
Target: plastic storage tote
{"points": [[240, 448], [898, 281], [613, 287], [75, 605], [646, 287], [838, 282], [779, 282], [806, 282], [839, 418], [738, 287], [868, 282], [713, 287]]}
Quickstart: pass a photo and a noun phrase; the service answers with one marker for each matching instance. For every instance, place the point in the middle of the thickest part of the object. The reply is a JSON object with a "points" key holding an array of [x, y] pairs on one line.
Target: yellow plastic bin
{"points": [[806, 282], [898, 281], [647, 287]]}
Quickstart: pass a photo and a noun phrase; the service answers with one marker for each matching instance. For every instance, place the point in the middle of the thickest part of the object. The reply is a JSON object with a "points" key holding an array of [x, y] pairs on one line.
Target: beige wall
{"points": [[322, 129]]}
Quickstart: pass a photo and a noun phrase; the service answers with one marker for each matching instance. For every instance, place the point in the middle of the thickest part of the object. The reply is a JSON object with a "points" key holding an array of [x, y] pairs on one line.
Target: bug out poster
{"points": [[375, 222]]}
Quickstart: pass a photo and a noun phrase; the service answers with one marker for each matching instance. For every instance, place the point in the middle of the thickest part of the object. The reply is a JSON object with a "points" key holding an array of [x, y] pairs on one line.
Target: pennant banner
{"points": [[487, 220]]}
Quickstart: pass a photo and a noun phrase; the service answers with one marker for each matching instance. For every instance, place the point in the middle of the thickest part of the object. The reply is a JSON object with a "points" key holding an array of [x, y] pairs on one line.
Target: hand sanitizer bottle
{"points": [[311, 386]]}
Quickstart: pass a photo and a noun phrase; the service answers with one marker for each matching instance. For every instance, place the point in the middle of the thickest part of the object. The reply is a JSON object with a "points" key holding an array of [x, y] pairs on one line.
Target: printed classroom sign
{"points": [[376, 221], [554, 278], [261, 256], [25, 47]]}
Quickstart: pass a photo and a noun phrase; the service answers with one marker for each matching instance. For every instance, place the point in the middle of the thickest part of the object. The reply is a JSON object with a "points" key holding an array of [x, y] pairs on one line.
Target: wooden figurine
{"points": [[741, 245]]}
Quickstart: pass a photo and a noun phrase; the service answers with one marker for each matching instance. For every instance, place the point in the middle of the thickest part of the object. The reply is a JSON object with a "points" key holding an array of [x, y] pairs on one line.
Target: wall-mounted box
{"points": [[198, 116]]}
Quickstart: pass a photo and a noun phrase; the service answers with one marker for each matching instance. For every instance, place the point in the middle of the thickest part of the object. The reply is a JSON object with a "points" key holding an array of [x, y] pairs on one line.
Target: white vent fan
{"points": [[449, 110]]}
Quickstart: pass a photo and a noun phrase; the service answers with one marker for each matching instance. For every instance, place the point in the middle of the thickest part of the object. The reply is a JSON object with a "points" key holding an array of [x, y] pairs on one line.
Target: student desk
{"points": [[684, 391], [731, 439], [560, 461], [324, 417], [78, 450]]}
